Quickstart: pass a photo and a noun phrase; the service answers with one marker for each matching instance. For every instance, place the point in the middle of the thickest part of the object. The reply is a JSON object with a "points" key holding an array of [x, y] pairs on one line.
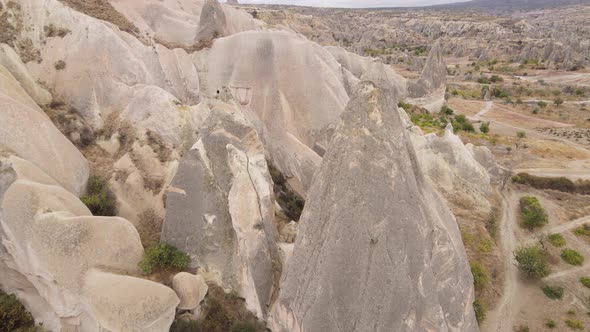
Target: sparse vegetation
{"points": [[480, 275], [447, 110], [574, 324], [555, 183], [554, 293], [522, 328], [480, 310], [585, 281], [521, 134], [406, 106], [484, 127], [532, 261], [583, 230], [291, 203], [14, 316], [223, 312], [99, 199], [484, 246], [572, 257], [532, 214], [60, 65], [556, 239], [163, 256], [550, 323]]}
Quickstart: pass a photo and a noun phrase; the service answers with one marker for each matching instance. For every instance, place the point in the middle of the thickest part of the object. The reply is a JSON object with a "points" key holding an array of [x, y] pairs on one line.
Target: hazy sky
{"points": [[353, 3]]}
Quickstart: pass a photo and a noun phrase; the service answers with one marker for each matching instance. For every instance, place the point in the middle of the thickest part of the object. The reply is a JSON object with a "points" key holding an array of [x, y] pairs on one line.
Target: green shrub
{"points": [[480, 311], [550, 323], [583, 230], [163, 256], [243, 327], [99, 199], [522, 328], [558, 101], [532, 261], [521, 134], [468, 127], [532, 213], [554, 293], [539, 182], [460, 118], [572, 257], [447, 110], [556, 239], [574, 324], [485, 246], [407, 107], [496, 79], [484, 127], [480, 275], [183, 325], [541, 104], [585, 281], [291, 203], [13, 315]]}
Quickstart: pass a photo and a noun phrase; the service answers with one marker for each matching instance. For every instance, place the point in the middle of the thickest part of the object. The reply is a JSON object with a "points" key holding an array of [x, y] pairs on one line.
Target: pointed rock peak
{"points": [[435, 69], [212, 23], [403, 242], [449, 129]]}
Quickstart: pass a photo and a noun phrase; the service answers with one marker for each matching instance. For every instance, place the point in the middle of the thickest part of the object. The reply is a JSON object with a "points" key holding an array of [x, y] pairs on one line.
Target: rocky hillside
{"points": [[152, 154], [551, 37]]}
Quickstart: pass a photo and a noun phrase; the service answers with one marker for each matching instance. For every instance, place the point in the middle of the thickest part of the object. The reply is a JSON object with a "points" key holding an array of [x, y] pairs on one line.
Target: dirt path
{"points": [[483, 111], [572, 174], [502, 317]]}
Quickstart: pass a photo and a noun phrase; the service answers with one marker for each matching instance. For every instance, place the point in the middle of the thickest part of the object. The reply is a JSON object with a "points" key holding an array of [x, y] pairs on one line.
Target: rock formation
{"points": [[452, 168], [191, 290], [374, 232], [54, 254], [220, 207]]}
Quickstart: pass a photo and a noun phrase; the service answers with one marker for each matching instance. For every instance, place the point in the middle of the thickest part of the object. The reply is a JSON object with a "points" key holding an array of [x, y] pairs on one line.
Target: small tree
{"points": [[531, 261], [532, 214], [484, 127], [521, 134]]}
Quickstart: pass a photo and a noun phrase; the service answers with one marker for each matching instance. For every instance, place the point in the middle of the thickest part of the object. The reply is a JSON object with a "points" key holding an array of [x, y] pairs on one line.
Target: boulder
{"points": [[191, 289], [358, 252]]}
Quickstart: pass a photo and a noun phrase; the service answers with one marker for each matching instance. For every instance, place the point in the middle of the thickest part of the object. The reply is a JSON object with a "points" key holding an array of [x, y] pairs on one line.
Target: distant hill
{"points": [[509, 5]]}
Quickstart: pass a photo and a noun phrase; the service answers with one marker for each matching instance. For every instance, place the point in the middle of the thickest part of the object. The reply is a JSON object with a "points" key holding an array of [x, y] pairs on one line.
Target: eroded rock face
{"points": [[377, 250], [220, 207], [52, 250], [291, 90], [429, 90], [453, 168]]}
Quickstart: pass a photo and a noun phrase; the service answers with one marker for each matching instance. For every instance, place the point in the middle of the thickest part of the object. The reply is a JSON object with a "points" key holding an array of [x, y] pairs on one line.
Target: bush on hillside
{"points": [[163, 256], [480, 275], [556, 239], [554, 293], [531, 261], [532, 214], [14, 316], [572, 257], [99, 199]]}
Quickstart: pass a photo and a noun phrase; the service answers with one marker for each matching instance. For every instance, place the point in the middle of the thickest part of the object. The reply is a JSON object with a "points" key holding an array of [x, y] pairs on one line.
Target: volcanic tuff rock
{"points": [[191, 290], [451, 166], [403, 241], [220, 207], [53, 250]]}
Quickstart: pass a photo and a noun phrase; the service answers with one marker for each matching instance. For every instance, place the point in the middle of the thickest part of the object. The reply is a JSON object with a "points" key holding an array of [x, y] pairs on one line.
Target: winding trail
{"points": [[502, 317]]}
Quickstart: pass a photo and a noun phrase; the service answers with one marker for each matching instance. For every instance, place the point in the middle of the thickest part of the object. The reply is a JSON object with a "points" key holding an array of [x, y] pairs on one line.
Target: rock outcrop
{"points": [[54, 254], [359, 251], [220, 207], [291, 90], [429, 90], [191, 289], [452, 167]]}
